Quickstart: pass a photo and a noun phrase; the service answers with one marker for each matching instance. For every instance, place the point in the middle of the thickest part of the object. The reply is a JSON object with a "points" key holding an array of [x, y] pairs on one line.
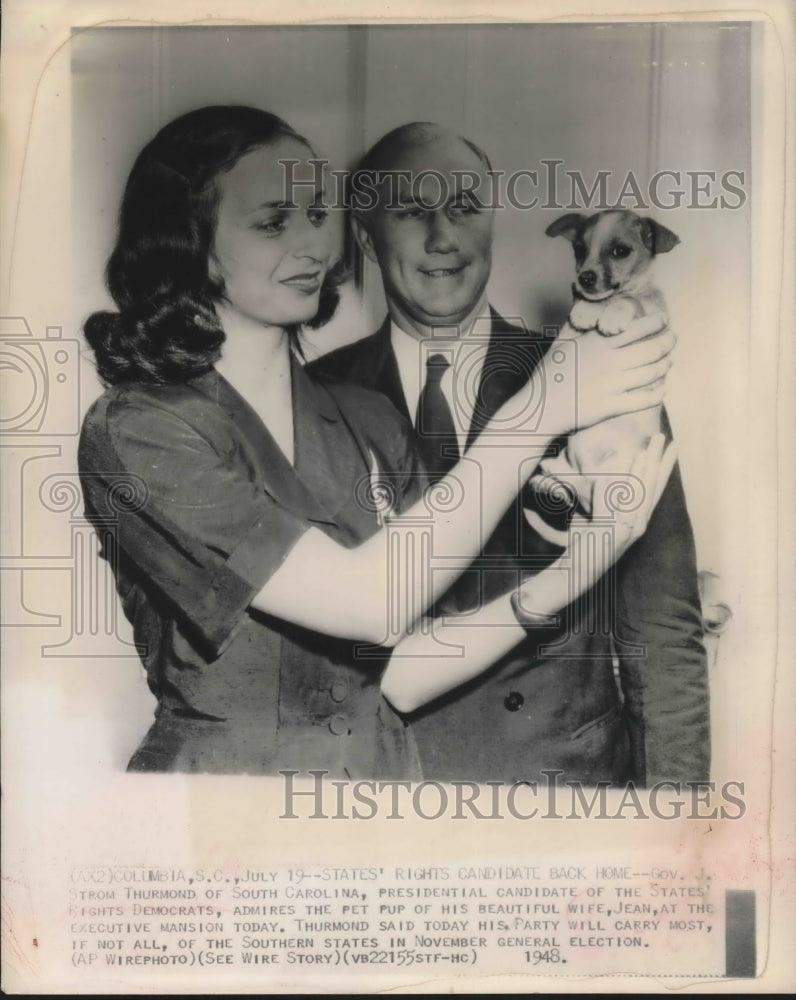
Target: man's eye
{"points": [[620, 251], [464, 208], [318, 216], [411, 212], [406, 209]]}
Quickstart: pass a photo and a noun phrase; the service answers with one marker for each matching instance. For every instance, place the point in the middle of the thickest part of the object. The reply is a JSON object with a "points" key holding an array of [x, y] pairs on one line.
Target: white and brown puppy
{"points": [[614, 251]]}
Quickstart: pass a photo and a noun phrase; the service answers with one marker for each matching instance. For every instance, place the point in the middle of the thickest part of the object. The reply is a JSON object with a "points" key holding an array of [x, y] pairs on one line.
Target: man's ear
{"points": [[657, 238], [362, 236], [566, 226]]}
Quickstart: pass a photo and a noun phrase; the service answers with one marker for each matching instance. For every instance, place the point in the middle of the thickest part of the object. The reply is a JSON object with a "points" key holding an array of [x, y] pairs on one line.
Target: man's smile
{"points": [[442, 272]]}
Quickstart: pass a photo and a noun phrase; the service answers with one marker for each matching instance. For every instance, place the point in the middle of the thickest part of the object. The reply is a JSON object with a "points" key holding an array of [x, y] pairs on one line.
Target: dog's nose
{"points": [[588, 279]]}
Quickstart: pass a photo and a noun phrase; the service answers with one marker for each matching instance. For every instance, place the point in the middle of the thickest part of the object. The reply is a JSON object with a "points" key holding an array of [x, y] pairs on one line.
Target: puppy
{"points": [[614, 251]]}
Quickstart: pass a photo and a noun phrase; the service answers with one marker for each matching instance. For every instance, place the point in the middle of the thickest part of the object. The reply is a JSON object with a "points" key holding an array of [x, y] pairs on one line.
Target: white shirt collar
{"points": [[460, 382]]}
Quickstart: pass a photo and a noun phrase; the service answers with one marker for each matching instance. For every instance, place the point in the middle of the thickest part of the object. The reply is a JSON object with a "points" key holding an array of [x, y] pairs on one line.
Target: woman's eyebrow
{"points": [[280, 203]]}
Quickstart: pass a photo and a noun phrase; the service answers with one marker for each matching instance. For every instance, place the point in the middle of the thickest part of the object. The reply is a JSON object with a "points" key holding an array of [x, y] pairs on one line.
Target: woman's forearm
{"points": [[434, 659], [439, 656]]}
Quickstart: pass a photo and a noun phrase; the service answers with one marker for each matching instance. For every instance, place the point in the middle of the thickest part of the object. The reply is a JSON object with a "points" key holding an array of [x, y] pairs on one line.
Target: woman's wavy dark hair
{"points": [[166, 329]]}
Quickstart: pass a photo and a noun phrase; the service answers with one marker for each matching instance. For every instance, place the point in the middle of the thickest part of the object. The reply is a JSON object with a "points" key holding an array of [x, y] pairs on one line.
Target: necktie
{"points": [[439, 446]]}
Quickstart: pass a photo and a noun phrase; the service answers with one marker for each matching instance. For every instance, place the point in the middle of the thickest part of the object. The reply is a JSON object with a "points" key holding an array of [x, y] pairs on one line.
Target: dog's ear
{"points": [[566, 226], [657, 238]]}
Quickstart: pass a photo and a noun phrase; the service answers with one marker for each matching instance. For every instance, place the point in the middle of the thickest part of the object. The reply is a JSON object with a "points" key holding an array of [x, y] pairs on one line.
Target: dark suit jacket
{"points": [[556, 702]]}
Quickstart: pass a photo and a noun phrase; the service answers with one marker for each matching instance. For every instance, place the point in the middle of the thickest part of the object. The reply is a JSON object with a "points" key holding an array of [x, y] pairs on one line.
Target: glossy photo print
{"points": [[396, 502]]}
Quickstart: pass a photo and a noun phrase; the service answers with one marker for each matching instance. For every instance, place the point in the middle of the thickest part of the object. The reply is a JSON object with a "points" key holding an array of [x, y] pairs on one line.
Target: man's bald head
{"points": [[382, 155]]}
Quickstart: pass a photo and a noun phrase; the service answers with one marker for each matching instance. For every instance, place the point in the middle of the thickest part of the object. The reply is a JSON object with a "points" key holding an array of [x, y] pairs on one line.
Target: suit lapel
{"points": [[378, 369], [327, 461], [509, 362], [296, 489]]}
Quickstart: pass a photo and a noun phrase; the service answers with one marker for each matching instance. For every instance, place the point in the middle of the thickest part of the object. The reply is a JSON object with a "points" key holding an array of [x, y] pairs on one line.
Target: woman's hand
{"points": [[622, 504], [587, 378], [644, 474]]}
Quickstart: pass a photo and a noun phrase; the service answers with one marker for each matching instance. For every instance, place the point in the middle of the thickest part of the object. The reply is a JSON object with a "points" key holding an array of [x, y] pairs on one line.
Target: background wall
{"points": [[618, 97]]}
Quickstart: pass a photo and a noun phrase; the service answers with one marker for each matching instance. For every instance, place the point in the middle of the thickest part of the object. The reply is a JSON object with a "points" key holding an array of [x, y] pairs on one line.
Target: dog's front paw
{"points": [[584, 315], [616, 316]]}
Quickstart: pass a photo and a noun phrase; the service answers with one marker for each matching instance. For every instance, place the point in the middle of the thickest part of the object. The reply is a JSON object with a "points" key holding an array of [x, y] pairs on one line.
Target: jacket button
{"points": [[514, 701], [338, 690], [338, 724]]}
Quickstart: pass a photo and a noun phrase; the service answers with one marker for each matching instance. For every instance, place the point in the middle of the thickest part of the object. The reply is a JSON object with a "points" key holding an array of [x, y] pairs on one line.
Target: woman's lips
{"points": [[307, 283]]}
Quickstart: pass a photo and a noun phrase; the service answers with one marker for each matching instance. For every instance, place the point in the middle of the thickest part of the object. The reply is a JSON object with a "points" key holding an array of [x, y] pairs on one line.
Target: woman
{"points": [[250, 564]]}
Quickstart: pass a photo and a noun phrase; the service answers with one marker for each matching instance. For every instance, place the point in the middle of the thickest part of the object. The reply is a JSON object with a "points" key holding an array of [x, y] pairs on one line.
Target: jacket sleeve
{"points": [[664, 679], [204, 538]]}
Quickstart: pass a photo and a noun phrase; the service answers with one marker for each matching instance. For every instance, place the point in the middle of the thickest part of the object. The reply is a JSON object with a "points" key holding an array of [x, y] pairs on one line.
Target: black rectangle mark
{"points": [[740, 941]]}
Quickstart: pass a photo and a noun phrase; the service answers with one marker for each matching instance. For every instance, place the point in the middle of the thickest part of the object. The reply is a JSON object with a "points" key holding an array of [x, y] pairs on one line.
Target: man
{"points": [[556, 703]]}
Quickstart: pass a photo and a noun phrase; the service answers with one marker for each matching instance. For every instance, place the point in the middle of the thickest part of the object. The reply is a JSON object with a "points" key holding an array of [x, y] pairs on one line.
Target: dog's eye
{"points": [[620, 250]]}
